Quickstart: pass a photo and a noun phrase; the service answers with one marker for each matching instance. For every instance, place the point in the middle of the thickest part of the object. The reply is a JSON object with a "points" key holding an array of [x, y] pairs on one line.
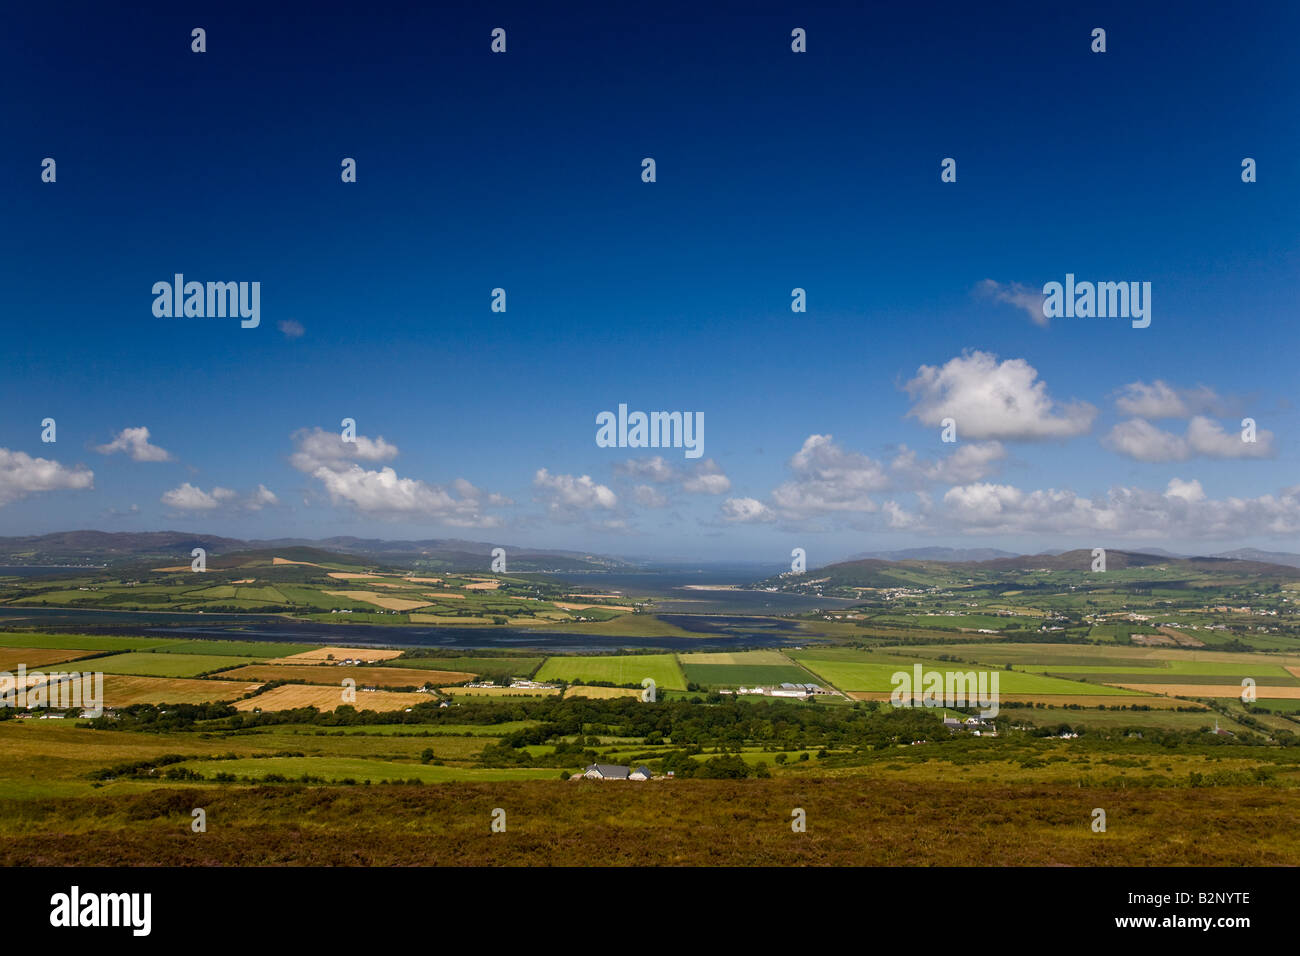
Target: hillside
{"points": [[127, 547]]}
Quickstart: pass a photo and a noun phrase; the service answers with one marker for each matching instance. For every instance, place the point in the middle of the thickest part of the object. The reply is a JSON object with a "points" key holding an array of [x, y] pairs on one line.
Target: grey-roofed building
{"points": [[606, 771]]}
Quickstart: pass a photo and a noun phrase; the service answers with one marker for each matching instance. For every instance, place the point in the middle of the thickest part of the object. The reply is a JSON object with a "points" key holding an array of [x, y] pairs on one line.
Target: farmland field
{"points": [[858, 671], [744, 668], [292, 696], [32, 657], [150, 664], [616, 669], [122, 691], [364, 676], [510, 666]]}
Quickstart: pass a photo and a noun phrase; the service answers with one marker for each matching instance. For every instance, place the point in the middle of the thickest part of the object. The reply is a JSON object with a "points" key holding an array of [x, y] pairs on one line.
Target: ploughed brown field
{"points": [[850, 822]]}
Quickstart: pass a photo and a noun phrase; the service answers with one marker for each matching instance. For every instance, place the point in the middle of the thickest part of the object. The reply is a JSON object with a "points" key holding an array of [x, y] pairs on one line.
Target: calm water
{"points": [[715, 632], [45, 571], [671, 594]]}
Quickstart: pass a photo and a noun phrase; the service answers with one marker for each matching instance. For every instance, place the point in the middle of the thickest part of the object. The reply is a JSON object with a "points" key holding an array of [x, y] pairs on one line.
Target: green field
{"points": [[850, 670], [149, 664], [626, 669], [745, 668], [89, 642], [237, 648]]}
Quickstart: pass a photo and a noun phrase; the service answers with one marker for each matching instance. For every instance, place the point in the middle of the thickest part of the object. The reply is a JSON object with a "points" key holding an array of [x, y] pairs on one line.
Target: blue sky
{"points": [[775, 170]]}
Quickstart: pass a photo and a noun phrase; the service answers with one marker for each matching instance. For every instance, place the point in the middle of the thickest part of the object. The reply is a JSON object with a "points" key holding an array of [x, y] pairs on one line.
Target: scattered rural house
{"points": [[607, 771], [799, 691]]}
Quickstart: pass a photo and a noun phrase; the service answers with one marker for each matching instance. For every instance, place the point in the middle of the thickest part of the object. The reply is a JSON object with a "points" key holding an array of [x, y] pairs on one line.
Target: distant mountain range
{"points": [[881, 573], [964, 555], [934, 554], [129, 547]]}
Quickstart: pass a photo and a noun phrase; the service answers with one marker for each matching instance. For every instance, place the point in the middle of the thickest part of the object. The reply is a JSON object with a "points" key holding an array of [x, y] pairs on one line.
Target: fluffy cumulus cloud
{"points": [[191, 498], [1182, 509], [746, 511], [134, 442], [22, 475], [381, 492], [1159, 399], [989, 399], [1140, 440], [1022, 297], [702, 478], [569, 497], [970, 461], [706, 478], [828, 478]]}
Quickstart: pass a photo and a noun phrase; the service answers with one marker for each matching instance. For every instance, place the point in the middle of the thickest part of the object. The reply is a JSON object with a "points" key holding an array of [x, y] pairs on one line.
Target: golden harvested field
{"points": [[380, 600], [11, 657], [364, 676], [1215, 690], [309, 564], [424, 580], [347, 575], [483, 586], [498, 692], [601, 693], [290, 696], [328, 655], [121, 690]]}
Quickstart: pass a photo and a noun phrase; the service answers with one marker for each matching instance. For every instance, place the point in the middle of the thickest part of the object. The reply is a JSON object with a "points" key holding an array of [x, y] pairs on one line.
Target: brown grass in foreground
{"points": [[851, 822]]}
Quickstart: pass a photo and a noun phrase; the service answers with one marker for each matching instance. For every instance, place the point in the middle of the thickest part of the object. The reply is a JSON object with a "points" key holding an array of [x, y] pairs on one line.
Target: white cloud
{"points": [[1028, 300], [1140, 440], [567, 497], [654, 469], [1161, 400], [22, 475], [1182, 510], [988, 399], [188, 497], [1207, 437], [828, 479], [746, 511], [382, 492], [970, 461], [135, 442], [706, 479], [261, 498], [291, 328], [315, 447], [649, 497]]}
